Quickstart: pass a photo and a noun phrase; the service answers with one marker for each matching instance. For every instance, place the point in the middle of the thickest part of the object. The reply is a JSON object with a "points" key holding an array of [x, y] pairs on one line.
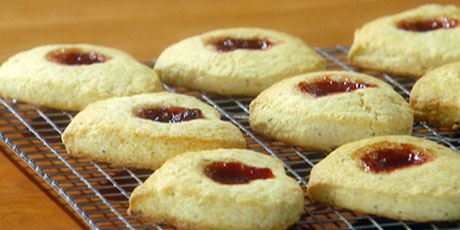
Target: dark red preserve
{"points": [[392, 156], [235, 173], [230, 44], [428, 25], [328, 86], [75, 56], [170, 114]]}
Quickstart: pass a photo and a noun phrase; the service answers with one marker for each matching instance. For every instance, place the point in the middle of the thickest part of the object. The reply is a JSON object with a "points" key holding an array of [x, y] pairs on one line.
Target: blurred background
{"points": [[145, 27]]}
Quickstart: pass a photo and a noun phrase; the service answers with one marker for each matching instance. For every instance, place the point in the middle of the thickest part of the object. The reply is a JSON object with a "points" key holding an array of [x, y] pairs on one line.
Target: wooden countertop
{"points": [[144, 28]]}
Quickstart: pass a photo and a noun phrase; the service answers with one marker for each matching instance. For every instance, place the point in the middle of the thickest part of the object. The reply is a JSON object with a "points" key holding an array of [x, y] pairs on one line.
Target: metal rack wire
{"points": [[99, 192]]}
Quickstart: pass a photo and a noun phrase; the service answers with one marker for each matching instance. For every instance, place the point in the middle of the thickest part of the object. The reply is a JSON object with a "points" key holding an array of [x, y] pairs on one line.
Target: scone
{"points": [[145, 130], [436, 96], [220, 189], [400, 177], [410, 43], [71, 76], [238, 61], [324, 110]]}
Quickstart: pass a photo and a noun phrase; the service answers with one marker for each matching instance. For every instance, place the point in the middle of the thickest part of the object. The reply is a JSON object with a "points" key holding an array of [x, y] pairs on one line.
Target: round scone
{"points": [[220, 189], [409, 43], [324, 110], [71, 76], [400, 177], [436, 96], [145, 130], [239, 61]]}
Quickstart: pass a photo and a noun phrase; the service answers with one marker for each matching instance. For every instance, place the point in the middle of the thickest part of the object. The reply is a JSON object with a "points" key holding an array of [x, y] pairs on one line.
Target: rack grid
{"points": [[99, 192]]}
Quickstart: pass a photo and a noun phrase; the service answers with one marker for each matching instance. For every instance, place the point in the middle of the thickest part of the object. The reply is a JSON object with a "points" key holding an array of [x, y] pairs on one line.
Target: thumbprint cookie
{"points": [[219, 189], [145, 130], [324, 110], [410, 43], [71, 76], [238, 61], [399, 177], [436, 96]]}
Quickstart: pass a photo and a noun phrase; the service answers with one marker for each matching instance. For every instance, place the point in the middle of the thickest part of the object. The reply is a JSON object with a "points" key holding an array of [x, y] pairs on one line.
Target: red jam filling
{"points": [[170, 114], [235, 173], [75, 56], [230, 44], [328, 86], [428, 25], [387, 157]]}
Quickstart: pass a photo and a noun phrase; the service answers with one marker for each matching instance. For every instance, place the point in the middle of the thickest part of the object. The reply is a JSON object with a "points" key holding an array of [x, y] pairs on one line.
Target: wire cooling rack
{"points": [[99, 192]]}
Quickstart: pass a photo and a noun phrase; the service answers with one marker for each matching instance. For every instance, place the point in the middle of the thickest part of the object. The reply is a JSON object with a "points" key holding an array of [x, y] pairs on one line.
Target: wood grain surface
{"points": [[144, 28]]}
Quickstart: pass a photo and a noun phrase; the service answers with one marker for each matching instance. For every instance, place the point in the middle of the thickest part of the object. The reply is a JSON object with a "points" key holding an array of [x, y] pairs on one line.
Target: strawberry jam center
{"points": [[393, 156], [230, 44], [75, 56], [328, 86], [236, 173], [170, 114], [428, 25]]}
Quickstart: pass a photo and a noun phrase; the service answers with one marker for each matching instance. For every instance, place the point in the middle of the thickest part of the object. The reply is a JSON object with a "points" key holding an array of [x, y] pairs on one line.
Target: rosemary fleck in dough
{"points": [[71, 76], [424, 189], [410, 43], [324, 110], [145, 130], [238, 61], [185, 194], [436, 96]]}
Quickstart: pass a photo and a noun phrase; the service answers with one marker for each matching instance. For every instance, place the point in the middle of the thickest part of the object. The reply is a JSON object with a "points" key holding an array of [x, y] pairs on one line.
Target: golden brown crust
{"points": [[426, 192], [29, 76], [108, 131], [436, 96], [195, 64], [381, 46], [284, 113], [180, 194]]}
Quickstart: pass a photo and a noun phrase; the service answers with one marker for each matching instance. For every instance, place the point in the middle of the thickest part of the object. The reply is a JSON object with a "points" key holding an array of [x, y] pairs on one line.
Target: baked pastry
{"points": [[145, 130], [71, 76], [219, 189], [400, 177], [436, 96], [238, 61], [409, 43], [324, 110]]}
